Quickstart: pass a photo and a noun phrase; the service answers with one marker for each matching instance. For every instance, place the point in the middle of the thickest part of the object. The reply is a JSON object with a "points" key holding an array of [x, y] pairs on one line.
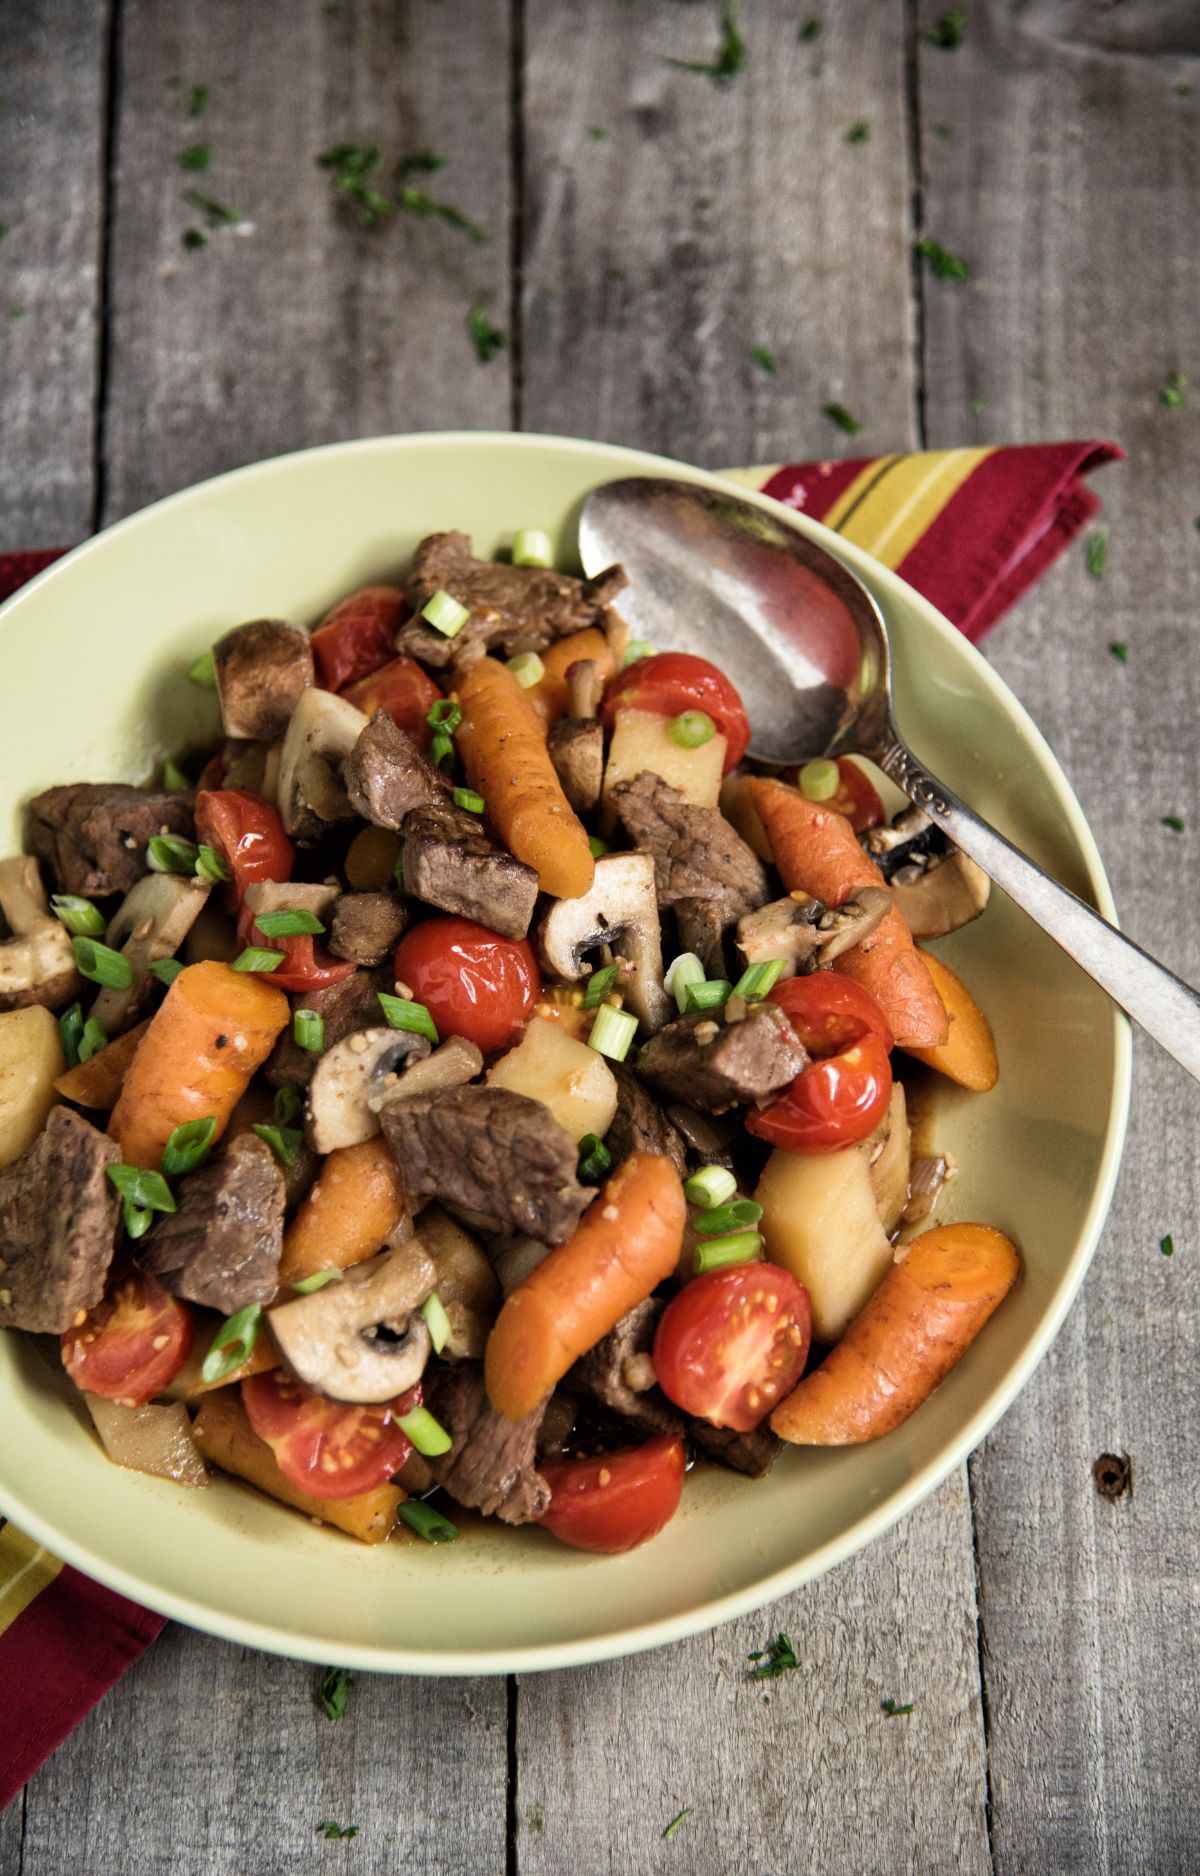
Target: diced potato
{"points": [[572, 1080], [820, 1221], [226, 1439], [890, 1167], [640, 741], [742, 815], [31, 1055], [157, 1440]]}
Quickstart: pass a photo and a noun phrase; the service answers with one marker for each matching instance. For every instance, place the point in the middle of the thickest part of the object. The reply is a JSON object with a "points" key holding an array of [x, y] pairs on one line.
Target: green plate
{"points": [[92, 656]]}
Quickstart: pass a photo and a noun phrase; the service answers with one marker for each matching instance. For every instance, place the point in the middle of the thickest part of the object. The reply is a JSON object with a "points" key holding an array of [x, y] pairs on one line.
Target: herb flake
{"points": [[193, 239], [216, 212], [675, 1823], [597, 133], [1167, 1245], [487, 339], [731, 51], [329, 1827], [1173, 395], [895, 1710], [1119, 650], [197, 100], [335, 1691], [947, 32], [859, 132], [839, 415], [811, 29], [1175, 822], [776, 1659], [1097, 552], [197, 156], [945, 265], [764, 358]]}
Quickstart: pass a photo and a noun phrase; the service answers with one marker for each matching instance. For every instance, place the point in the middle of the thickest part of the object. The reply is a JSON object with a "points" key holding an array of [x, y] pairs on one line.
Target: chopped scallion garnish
{"points": [[712, 994], [712, 1185], [402, 1013], [1167, 1245], [595, 1160], [532, 548], [844, 419], [445, 614], [600, 985], [173, 776], [946, 266], [257, 958], [284, 1142], [335, 1683], [757, 979], [102, 964], [819, 781], [308, 1030], [436, 1321], [287, 924], [204, 671], [428, 1435], [166, 970], [232, 1345], [527, 668], [93, 1039], [1097, 553], [636, 650], [716, 1221], [305, 1286], [70, 1028], [79, 916], [287, 1105], [445, 715], [685, 970], [427, 1522], [612, 1032], [740, 1247], [142, 1193], [441, 746], [691, 729], [166, 854], [188, 1146], [467, 798], [596, 847], [212, 866]]}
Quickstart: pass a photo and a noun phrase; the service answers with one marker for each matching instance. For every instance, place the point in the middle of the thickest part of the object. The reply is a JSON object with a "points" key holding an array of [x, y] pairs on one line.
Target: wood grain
{"points": [[1065, 183]]}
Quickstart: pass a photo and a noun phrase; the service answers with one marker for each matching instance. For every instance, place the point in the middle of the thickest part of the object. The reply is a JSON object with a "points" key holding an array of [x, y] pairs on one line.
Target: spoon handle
{"points": [[1162, 1003]]}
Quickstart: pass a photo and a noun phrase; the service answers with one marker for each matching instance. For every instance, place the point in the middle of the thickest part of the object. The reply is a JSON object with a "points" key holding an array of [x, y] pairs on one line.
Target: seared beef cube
{"points": [[450, 863], [491, 1151], [576, 747], [492, 1465], [261, 669], [640, 1126], [753, 1453], [606, 1371], [222, 1247], [364, 926], [713, 1063], [93, 835], [387, 776], [352, 1004], [58, 1225], [697, 854], [512, 608], [702, 925]]}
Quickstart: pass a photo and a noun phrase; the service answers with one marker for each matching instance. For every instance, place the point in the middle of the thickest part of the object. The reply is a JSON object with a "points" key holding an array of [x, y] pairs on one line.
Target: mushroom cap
{"points": [[360, 1339], [37, 964], [321, 732], [619, 910], [352, 1081], [151, 922]]}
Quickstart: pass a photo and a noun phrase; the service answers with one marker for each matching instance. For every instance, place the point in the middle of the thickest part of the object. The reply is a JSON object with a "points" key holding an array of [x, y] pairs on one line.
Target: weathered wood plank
{"points": [[12, 1823], [298, 326], [208, 1760], [1066, 181], [52, 61]]}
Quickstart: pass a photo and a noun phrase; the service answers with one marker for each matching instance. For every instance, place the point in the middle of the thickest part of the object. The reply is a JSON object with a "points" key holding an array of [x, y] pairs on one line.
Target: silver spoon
{"points": [[808, 648]]}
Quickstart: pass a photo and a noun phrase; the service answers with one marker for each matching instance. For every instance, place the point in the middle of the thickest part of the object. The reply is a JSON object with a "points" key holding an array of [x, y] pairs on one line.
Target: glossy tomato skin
{"points": [[617, 1501], [133, 1344], [248, 832], [827, 1011], [674, 681], [843, 1094], [358, 635], [857, 796], [401, 688], [323, 1447], [473, 982], [733, 1344]]}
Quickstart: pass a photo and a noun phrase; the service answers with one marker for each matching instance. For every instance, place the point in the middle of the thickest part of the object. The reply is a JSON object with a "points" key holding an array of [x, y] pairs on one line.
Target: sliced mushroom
{"points": [[270, 895], [361, 1339], [620, 911], [352, 1081], [454, 1062], [252, 766], [806, 933], [320, 735], [841, 926], [37, 964], [576, 748], [942, 895], [152, 922], [262, 668]]}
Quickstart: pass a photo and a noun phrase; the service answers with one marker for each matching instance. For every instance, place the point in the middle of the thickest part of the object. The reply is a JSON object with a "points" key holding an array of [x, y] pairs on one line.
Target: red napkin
{"points": [[971, 529]]}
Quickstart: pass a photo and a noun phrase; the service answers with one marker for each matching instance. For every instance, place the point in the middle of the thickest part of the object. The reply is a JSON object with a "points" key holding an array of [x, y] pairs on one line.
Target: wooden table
{"points": [[646, 230]]}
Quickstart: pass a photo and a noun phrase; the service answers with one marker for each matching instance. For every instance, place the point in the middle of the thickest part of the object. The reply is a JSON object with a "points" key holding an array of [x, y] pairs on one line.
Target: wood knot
{"points": [[1113, 1474]]}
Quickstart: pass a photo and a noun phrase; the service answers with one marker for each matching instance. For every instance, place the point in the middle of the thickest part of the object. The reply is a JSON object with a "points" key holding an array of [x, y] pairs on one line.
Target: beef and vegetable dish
{"points": [[469, 1085]]}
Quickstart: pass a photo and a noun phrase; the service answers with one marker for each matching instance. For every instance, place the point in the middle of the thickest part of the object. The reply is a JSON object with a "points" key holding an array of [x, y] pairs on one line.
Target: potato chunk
{"points": [[31, 1055], [573, 1081], [640, 741], [821, 1221]]}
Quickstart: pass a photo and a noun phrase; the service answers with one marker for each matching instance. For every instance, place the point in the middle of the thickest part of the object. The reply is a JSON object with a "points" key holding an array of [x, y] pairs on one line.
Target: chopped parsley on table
{"points": [[731, 51], [676, 1821], [838, 414], [945, 265], [335, 1691], [774, 1660], [859, 132], [1173, 395], [764, 358], [487, 339], [1119, 650], [1167, 1245], [329, 1827], [895, 1710], [597, 133], [197, 156], [197, 100], [1097, 552], [811, 29], [1175, 822], [353, 167], [217, 212], [947, 32]]}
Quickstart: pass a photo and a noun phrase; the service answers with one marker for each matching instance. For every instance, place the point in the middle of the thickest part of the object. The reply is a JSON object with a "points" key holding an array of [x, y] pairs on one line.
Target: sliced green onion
{"points": [[304, 1286], [441, 746], [288, 1104], [428, 1435], [308, 1030], [166, 854], [712, 994], [738, 1215], [527, 668], [612, 1032], [174, 778], [79, 916], [188, 1146], [255, 958], [685, 970], [741, 1247], [102, 964], [712, 1185], [212, 865], [691, 728], [599, 986], [819, 781], [445, 614], [232, 1345], [757, 979], [284, 1142], [146, 1190], [401, 1013], [468, 799], [636, 650], [436, 1321], [596, 847], [166, 970], [532, 548], [427, 1522], [595, 1160], [445, 715], [70, 1028], [287, 924], [204, 671], [93, 1039]]}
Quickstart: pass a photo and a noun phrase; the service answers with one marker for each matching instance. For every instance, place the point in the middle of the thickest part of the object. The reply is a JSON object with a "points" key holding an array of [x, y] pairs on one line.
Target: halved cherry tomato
{"points": [[473, 982], [325, 1447], [674, 681], [133, 1344], [617, 1501], [403, 690], [843, 1094], [358, 635], [733, 1344], [857, 796], [249, 834]]}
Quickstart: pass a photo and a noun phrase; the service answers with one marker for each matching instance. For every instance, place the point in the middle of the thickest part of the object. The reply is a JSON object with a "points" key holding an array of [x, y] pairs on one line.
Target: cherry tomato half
{"points": [[358, 635], [674, 681], [842, 1095], [857, 796], [133, 1344], [403, 690], [473, 982], [325, 1447], [827, 1011], [733, 1344], [617, 1501]]}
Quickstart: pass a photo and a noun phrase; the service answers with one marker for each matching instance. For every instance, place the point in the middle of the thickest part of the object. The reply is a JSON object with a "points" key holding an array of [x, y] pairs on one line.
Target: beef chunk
{"points": [[754, 1453], [492, 1465], [702, 925], [58, 1225], [261, 669], [576, 747], [352, 1004], [222, 1247], [640, 1126], [364, 926], [697, 854], [93, 835], [714, 1063], [601, 1373], [450, 863], [491, 1151], [512, 608], [387, 777]]}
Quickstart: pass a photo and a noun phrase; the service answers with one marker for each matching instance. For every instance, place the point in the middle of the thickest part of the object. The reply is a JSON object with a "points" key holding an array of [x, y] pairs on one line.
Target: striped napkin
{"points": [[972, 529]]}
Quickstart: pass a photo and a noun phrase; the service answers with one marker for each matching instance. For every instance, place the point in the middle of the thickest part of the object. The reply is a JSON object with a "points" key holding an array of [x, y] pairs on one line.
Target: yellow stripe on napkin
{"points": [[25, 1571]]}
